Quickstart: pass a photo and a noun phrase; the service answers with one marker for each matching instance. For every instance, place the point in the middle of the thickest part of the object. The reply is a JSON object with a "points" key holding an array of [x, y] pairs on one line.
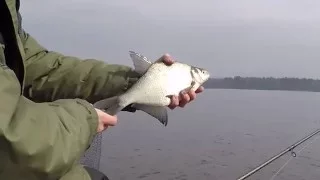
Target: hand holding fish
{"points": [[185, 97]]}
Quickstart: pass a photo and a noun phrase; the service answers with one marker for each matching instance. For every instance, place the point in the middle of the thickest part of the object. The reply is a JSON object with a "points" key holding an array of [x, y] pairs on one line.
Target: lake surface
{"points": [[221, 135]]}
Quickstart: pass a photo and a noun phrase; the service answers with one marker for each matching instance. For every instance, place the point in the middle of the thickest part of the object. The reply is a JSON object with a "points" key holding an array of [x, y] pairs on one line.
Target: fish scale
{"points": [[154, 87]]}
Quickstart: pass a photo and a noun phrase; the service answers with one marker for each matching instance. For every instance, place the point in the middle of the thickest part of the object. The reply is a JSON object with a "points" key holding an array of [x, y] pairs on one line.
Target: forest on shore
{"points": [[264, 83]]}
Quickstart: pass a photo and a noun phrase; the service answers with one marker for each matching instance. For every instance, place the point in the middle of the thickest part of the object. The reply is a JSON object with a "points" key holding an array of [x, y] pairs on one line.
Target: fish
{"points": [[158, 82]]}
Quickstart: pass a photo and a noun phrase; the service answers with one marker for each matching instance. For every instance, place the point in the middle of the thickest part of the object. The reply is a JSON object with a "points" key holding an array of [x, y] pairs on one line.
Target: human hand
{"points": [[105, 120], [185, 97]]}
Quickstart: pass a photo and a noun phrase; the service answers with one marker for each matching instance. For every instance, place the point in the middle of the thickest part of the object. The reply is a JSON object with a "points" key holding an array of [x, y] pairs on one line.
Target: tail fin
{"points": [[110, 105]]}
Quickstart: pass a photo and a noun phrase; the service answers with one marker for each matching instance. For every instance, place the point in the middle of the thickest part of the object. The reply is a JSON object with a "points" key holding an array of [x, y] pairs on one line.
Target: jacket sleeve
{"points": [[43, 138], [51, 76]]}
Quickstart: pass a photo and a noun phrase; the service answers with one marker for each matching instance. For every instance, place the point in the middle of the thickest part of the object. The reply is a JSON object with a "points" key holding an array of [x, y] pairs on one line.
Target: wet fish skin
{"points": [[152, 92]]}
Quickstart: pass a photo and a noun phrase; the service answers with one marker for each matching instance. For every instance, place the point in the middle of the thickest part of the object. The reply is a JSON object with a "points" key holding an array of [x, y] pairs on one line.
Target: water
{"points": [[222, 135]]}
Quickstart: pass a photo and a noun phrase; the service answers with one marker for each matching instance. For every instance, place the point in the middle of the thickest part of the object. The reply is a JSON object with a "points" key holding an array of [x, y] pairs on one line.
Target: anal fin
{"points": [[158, 112]]}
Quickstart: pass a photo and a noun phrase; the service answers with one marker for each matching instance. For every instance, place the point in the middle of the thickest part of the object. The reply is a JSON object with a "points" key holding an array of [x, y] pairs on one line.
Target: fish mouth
{"points": [[205, 79]]}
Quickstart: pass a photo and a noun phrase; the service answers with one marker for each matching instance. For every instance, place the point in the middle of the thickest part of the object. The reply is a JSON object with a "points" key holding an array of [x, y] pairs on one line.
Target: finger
{"points": [[200, 89], [100, 128], [167, 59], [109, 120], [185, 98], [192, 95], [174, 102], [103, 128]]}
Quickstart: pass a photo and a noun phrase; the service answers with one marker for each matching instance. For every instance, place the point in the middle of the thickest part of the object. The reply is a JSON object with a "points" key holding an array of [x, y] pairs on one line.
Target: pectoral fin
{"points": [[193, 86], [158, 112]]}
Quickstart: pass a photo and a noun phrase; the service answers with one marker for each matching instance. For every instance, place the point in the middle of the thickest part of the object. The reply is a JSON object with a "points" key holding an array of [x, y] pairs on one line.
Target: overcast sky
{"points": [[228, 37]]}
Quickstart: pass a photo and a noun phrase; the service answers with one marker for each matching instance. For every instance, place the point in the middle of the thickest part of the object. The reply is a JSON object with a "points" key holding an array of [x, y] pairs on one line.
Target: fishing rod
{"points": [[279, 155]]}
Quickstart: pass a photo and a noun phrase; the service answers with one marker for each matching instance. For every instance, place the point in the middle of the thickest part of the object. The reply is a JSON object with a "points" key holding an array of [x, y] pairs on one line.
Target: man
{"points": [[46, 118]]}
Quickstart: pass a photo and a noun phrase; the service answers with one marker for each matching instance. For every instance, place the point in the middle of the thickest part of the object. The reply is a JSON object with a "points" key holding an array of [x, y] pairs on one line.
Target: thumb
{"points": [[109, 120], [167, 59]]}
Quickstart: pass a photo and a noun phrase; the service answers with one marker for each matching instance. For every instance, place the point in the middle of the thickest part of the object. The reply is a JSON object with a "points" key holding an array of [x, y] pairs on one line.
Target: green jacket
{"points": [[46, 122]]}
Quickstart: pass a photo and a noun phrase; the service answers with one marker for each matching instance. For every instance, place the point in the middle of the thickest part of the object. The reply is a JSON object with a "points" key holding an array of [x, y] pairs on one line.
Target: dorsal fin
{"points": [[140, 62]]}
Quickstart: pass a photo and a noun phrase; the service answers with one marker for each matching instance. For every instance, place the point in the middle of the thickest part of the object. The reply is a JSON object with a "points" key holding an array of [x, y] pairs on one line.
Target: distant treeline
{"points": [[264, 83]]}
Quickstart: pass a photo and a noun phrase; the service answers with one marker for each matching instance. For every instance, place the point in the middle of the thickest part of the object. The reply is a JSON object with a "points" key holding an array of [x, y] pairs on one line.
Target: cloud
{"points": [[247, 37]]}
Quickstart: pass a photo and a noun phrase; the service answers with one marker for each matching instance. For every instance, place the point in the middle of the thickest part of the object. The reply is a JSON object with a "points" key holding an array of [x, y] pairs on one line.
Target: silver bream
{"points": [[158, 82]]}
